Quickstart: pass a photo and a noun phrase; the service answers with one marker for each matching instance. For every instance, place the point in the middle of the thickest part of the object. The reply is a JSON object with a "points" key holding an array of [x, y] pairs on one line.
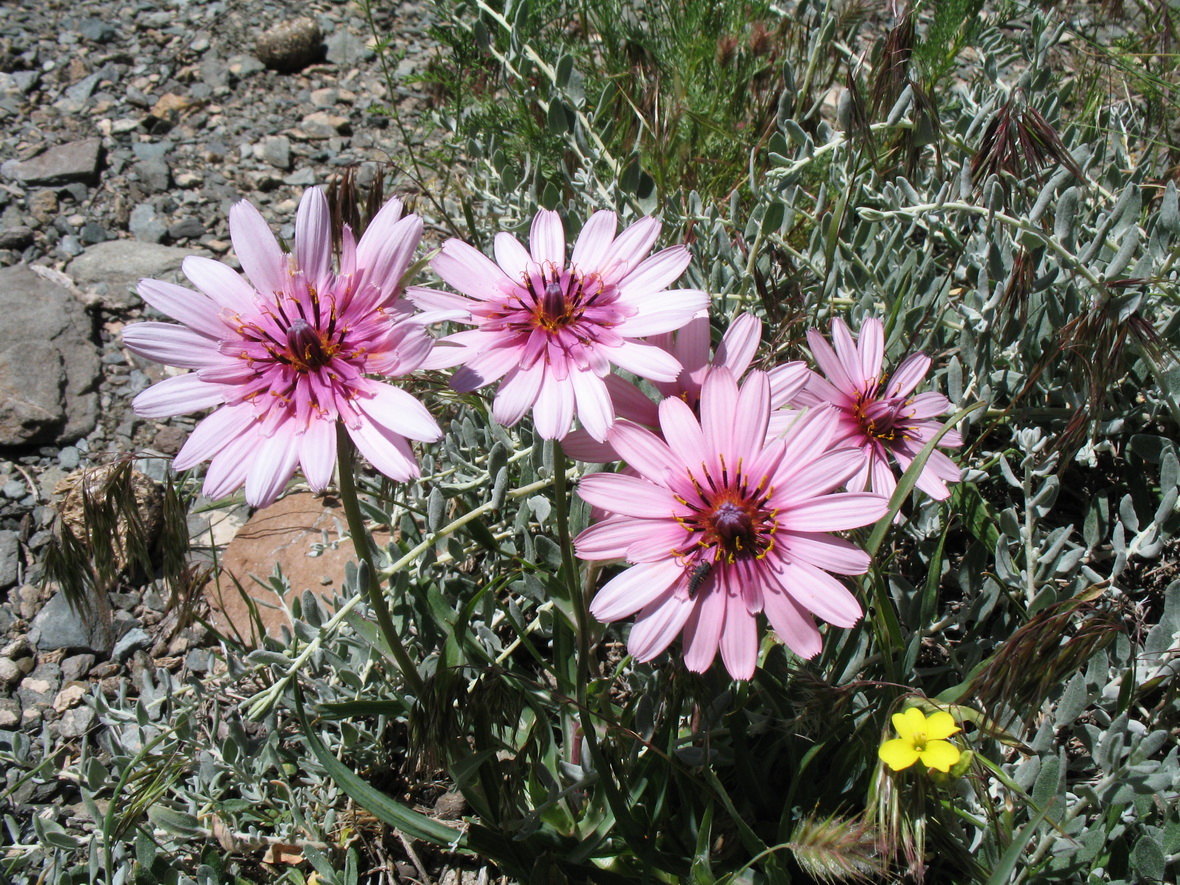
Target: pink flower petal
{"points": [[871, 347], [740, 343], [643, 450], [272, 468], [384, 261], [718, 406], [818, 477], [177, 396], [683, 432], [827, 552], [787, 381], [632, 403], [470, 271], [377, 237], [908, 375], [927, 405], [751, 416], [628, 496], [547, 239], [193, 309], [658, 624], [594, 241], [830, 364], [664, 311], [553, 412], [313, 238], [655, 539], [793, 624], [512, 257], [224, 285], [635, 588], [317, 453], [702, 631], [644, 360], [229, 468], [581, 446], [483, 368], [654, 274], [819, 593], [606, 540], [593, 404], [629, 249], [171, 345], [436, 299], [517, 394], [214, 433], [399, 412], [385, 450], [739, 639], [262, 260], [834, 513]]}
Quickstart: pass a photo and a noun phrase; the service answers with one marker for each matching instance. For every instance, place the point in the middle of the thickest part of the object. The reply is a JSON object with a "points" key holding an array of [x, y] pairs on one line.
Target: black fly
{"points": [[698, 577]]}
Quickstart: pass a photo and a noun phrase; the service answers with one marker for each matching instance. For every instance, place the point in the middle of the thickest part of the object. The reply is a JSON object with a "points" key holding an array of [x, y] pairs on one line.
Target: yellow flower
{"points": [[921, 738]]}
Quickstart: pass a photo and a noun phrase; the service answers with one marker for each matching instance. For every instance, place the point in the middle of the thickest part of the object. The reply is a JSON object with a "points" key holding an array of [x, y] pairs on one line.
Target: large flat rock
{"points": [[61, 164], [109, 272], [49, 366], [283, 535]]}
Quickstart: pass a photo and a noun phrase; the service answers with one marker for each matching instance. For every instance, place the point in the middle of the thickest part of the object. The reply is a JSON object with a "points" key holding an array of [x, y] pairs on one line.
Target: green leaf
{"points": [[1147, 859], [381, 806]]}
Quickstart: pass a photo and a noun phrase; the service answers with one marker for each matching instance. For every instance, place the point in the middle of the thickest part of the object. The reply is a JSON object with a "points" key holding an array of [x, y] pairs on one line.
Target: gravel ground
{"points": [[127, 130]]}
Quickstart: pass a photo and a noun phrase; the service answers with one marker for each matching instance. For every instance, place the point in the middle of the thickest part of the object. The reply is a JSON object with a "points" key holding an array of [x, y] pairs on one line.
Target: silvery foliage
{"points": [[1042, 524], [190, 772]]}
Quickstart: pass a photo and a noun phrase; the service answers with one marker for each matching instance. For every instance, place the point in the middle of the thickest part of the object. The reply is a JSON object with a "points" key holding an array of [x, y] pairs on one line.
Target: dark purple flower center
{"points": [[306, 348], [730, 519], [559, 304]]}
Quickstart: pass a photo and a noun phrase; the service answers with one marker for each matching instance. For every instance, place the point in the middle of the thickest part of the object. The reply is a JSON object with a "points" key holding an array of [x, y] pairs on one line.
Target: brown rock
{"points": [[291, 45], [283, 535]]}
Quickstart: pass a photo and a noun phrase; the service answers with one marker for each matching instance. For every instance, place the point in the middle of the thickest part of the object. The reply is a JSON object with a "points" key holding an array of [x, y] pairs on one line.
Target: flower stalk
{"points": [[362, 542]]}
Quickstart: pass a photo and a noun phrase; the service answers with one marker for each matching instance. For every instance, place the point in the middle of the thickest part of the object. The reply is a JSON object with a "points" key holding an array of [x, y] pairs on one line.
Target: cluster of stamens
{"points": [[879, 418], [729, 518], [302, 337]]}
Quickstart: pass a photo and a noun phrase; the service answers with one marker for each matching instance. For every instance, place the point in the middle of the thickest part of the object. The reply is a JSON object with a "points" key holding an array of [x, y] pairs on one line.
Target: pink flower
{"points": [[690, 346], [881, 417], [285, 351], [721, 525], [552, 330]]}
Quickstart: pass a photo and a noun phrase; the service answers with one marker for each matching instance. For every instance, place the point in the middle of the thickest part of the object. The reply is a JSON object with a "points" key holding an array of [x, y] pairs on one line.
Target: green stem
{"points": [[570, 567], [363, 544]]}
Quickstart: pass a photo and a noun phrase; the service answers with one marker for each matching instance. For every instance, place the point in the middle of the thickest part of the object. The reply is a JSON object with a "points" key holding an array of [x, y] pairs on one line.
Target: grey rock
{"points": [[245, 65], [322, 124], [186, 229], [276, 150], [113, 269], [146, 224], [14, 490], [84, 88], [302, 178], [131, 641], [291, 46], [154, 175], [76, 667], [69, 457], [75, 161], [98, 31], [70, 246], [76, 721], [9, 558], [19, 83], [92, 233], [88, 629], [9, 714], [16, 237], [12, 671], [345, 48], [49, 372]]}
